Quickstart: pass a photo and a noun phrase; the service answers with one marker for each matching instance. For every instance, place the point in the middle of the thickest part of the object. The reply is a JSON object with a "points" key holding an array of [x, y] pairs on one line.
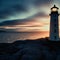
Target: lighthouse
{"points": [[54, 24]]}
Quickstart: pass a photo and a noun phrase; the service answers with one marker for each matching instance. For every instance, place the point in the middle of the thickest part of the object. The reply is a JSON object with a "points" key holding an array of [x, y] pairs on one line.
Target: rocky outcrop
{"points": [[31, 50]]}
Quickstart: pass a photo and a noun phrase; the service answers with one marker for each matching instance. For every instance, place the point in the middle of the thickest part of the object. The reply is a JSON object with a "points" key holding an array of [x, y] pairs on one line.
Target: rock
{"points": [[31, 50]]}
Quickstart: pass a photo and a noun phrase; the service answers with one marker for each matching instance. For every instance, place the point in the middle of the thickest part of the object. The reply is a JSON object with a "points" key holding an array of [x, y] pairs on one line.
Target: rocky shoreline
{"points": [[30, 50]]}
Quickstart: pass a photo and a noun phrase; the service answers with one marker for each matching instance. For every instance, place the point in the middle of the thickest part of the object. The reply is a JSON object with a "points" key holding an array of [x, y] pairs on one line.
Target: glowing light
{"points": [[54, 9]]}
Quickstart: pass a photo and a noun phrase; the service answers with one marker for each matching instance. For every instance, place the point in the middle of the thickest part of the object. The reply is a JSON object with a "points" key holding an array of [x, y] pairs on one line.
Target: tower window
{"points": [[54, 31], [55, 25], [55, 37], [55, 20]]}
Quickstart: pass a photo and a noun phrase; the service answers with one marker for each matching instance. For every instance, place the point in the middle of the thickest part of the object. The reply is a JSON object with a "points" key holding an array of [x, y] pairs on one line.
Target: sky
{"points": [[26, 15]]}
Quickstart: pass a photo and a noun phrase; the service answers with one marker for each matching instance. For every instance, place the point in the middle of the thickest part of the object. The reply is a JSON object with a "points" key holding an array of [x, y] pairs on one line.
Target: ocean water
{"points": [[11, 37]]}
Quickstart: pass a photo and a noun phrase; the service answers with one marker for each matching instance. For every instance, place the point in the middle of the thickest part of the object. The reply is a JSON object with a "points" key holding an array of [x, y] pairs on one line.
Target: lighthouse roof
{"points": [[54, 7]]}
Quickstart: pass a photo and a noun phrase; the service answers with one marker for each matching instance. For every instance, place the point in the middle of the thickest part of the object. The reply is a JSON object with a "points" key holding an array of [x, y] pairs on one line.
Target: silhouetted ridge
{"points": [[38, 49]]}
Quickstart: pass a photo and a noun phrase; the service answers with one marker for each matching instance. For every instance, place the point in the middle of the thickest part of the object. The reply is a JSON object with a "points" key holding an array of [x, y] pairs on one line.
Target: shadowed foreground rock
{"points": [[30, 50]]}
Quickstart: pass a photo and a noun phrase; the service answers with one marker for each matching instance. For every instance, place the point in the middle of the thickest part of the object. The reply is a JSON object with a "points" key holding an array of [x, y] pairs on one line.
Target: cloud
{"points": [[8, 8], [21, 23], [12, 7], [43, 2], [21, 26], [30, 20]]}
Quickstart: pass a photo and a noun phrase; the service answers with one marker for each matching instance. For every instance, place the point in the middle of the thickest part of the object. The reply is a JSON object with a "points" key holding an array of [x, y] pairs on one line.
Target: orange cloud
{"points": [[35, 24]]}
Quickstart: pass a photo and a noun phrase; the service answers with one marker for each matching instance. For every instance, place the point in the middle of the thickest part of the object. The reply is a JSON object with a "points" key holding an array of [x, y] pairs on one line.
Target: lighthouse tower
{"points": [[54, 24]]}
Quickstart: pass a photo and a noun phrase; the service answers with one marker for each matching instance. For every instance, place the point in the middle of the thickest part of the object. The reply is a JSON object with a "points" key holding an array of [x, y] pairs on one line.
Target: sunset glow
{"points": [[33, 17]]}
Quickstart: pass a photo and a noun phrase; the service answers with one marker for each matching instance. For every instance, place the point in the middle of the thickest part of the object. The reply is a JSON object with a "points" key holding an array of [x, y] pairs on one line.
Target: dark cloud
{"points": [[14, 9], [23, 21], [39, 14], [5, 13], [19, 8], [15, 22], [10, 7], [42, 2]]}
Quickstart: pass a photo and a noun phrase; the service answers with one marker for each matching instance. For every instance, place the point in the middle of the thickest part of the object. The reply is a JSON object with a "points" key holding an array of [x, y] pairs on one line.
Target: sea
{"points": [[9, 37]]}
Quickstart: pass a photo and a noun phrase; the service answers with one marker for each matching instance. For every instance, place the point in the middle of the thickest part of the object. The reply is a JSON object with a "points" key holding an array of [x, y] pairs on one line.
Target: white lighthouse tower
{"points": [[54, 24]]}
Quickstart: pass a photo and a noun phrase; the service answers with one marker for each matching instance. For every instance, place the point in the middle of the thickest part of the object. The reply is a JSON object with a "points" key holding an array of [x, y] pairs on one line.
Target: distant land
{"points": [[2, 31]]}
